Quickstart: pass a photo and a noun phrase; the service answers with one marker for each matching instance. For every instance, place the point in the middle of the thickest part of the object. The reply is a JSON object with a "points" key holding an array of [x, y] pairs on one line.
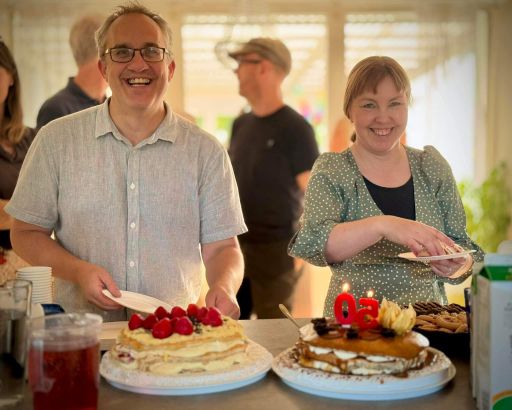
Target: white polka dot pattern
{"points": [[337, 193]]}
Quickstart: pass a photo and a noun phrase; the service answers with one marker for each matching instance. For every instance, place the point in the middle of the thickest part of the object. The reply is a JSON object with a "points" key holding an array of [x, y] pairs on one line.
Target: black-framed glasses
{"points": [[150, 54]]}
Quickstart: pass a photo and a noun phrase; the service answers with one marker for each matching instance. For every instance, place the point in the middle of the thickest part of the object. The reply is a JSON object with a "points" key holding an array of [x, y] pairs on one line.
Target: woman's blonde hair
{"points": [[367, 75], [11, 127]]}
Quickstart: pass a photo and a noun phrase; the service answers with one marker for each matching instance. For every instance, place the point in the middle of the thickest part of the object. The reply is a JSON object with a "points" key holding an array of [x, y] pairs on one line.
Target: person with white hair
{"points": [[87, 88]]}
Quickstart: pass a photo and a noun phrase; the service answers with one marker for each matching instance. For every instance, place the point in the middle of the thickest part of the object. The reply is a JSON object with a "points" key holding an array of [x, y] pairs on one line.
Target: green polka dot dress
{"points": [[337, 193]]}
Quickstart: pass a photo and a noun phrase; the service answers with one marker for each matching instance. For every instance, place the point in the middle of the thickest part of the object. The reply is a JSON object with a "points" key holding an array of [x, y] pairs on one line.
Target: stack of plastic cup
{"points": [[42, 282]]}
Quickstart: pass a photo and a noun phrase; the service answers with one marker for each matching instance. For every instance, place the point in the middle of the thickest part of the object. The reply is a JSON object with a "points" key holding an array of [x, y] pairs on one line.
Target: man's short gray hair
{"points": [[132, 8], [82, 38]]}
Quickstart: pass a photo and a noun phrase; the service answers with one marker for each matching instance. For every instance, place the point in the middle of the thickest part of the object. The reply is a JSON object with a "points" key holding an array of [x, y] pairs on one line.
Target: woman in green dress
{"points": [[379, 198]]}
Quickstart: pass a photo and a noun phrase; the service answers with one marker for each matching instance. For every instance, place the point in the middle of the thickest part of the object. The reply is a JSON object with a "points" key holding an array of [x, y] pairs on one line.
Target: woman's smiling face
{"points": [[380, 118]]}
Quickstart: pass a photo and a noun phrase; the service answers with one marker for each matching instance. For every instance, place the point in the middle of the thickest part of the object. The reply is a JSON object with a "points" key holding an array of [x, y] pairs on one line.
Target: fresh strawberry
{"points": [[184, 326], [178, 311], [192, 310], [214, 316], [135, 322], [160, 312], [216, 322], [149, 322], [213, 311], [203, 311], [162, 329]]}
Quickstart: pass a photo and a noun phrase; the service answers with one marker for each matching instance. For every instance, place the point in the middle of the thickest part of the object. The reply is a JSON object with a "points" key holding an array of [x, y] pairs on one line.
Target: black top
{"points": [[67, 101], [267, 154], [10, 166], [394, 201]]}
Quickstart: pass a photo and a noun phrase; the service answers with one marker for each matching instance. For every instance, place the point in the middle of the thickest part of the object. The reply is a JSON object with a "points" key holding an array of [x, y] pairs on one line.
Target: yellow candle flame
{"points": [[370, 293], [345, 287]]}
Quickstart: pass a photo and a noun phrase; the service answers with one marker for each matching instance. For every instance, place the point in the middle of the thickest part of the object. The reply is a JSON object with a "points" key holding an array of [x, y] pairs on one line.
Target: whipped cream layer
{"points": [[346, 355], [359, 356], [210, 348], [363, 366]]}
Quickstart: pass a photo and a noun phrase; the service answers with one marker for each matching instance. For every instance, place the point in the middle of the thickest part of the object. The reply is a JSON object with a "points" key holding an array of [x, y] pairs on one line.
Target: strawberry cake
{"points": [[181, 341]]}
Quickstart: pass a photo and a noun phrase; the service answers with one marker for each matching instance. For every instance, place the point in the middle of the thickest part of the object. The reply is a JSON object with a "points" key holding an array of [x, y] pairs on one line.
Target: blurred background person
{"points": [[87, 88], [272, 149], [339, 140], [15, 139]]}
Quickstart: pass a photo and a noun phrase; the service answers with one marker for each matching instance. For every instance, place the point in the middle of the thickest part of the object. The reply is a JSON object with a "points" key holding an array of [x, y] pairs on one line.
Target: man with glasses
{"points": [[87, 88], [137, 197], [272, 150]]}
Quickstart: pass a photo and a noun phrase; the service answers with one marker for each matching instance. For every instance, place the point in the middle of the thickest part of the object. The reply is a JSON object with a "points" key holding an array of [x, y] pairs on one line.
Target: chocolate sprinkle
{"points": [[387, 332]]}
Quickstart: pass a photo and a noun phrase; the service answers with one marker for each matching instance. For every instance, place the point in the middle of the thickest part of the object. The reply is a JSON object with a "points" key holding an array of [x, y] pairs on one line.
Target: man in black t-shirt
{"points": [[272, 149]]}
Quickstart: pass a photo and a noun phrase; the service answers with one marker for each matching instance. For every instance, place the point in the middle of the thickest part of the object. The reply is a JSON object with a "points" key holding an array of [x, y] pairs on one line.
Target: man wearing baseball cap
{"points": [[272, 149]]}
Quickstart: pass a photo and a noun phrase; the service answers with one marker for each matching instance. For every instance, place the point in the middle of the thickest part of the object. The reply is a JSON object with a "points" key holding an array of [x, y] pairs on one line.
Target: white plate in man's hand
{"points": [[412, 257], [137, 301]]}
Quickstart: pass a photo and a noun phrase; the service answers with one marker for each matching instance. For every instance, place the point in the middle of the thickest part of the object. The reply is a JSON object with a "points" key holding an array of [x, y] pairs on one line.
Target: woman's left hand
{"points": [[448, 267]]}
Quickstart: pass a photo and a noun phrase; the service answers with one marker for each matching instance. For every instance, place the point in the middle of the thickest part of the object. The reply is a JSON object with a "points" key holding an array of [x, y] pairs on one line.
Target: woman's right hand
{"points": [[350, 238], [416, 236]]}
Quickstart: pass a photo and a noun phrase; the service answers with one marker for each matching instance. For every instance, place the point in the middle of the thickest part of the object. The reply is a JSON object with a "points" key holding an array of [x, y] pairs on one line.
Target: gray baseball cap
{"points": [[270, 49]]}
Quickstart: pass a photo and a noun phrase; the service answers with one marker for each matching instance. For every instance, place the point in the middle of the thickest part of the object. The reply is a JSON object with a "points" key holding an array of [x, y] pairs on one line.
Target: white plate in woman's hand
{"points": [[425, 259]]}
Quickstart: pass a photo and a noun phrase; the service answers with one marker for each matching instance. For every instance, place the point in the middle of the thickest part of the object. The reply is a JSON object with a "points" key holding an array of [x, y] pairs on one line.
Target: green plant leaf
{"points": [[487, 208]]}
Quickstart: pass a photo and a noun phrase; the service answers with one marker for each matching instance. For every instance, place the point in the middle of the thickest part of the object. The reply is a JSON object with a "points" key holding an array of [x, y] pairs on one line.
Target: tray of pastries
{"points": [[446, 326]]}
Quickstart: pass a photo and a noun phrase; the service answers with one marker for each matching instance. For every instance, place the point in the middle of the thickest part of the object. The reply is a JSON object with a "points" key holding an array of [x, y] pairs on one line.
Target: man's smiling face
{"points": [[138, 84]]}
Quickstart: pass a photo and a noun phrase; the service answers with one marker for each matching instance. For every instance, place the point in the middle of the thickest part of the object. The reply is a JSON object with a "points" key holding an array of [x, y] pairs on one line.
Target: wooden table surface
{"points": [[271, 393]]}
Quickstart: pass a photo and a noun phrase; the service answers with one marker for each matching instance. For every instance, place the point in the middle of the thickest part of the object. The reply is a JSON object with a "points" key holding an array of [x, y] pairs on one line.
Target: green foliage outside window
{"points": [[487, 208]]}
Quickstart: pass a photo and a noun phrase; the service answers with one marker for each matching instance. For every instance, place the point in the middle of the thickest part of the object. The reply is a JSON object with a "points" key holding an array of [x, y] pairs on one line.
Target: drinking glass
{"points": [[15, 303], [63, 361]]}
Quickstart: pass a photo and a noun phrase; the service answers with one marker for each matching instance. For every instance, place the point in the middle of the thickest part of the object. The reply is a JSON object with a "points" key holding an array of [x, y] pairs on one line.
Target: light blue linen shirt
{"points": [[139, 211]]}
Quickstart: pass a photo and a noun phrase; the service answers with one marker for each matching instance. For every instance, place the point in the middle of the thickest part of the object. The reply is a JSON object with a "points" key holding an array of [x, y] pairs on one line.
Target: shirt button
{"points": [[132, 225], [132, 186], [132, 264]]}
